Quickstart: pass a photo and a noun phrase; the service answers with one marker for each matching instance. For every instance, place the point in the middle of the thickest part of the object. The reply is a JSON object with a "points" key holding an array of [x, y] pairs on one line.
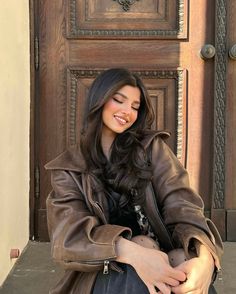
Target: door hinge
{"points": [[37, 182], [36, 53]]}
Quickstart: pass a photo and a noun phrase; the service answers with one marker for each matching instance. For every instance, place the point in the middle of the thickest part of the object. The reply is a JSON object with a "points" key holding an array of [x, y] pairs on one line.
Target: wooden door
{"points": [[230, 122], [161, 41]]}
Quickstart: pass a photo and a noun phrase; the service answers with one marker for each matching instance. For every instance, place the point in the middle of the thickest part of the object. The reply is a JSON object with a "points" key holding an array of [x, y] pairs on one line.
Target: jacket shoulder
{"points": [[155, 136], [71, 159]]}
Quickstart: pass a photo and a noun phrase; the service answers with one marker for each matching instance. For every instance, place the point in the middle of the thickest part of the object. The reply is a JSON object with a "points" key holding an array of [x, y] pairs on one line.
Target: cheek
{"points": [[134, 116], [108, 110], [110, 106]]}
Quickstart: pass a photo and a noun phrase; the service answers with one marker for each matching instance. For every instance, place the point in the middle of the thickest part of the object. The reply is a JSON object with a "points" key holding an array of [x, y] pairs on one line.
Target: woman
{"points": [[108, 189]]}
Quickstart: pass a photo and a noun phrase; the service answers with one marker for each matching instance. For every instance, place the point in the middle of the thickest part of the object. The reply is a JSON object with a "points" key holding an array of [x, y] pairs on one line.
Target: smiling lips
{"points": [[120, 120]]}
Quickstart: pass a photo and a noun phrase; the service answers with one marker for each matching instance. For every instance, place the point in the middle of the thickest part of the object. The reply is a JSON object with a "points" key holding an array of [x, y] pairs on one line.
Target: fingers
{"points": [[163, 288], [184, 288], [178, 274], [151, 290], [171, 282], [180, 289], [173, 275]]}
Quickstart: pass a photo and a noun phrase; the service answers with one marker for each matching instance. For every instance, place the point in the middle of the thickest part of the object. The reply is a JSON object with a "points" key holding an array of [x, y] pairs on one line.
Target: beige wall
{"points": [[14, 128]]}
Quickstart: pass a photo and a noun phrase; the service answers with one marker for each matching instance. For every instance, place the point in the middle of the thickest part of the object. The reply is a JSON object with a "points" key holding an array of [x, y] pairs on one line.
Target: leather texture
{"points": [[78, 218]]}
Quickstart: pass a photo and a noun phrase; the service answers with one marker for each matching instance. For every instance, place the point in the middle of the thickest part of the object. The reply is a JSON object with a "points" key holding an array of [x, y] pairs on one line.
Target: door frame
{"points": [[218, 211], [34, 80]]}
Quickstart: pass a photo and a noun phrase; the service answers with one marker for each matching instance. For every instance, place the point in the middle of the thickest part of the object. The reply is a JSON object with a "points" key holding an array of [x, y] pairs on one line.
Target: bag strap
{"points": [[162, 232], [161, 229]]}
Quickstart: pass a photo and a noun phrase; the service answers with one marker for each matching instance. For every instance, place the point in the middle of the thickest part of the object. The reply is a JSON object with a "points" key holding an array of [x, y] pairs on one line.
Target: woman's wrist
{"points": [[126, 250], [204, 254]]}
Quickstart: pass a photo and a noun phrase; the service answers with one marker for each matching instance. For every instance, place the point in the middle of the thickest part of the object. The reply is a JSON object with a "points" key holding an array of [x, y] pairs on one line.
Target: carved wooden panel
{"points": [[127, 19], [166, 88], [75, 39]]}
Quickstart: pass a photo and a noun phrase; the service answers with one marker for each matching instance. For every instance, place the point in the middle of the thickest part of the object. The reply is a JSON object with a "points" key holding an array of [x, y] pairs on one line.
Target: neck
{"points": [[106, 141]]}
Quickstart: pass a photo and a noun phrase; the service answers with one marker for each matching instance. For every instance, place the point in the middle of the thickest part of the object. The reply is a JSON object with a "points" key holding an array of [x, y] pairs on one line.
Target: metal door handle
{"points": [[207, 52], [232, 52]]}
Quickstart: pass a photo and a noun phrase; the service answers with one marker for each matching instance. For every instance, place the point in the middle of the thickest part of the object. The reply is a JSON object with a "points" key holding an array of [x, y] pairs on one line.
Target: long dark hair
{"points": [[128, 165]]}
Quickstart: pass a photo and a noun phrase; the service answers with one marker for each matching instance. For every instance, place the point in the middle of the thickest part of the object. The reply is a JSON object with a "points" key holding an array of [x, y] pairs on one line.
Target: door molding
{"points": [[83, 29], [221, 57], [179, 75], [32, 117]]}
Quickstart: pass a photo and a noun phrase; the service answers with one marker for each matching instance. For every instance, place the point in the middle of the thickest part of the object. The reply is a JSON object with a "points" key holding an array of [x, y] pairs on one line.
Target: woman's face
{"points": [[121, 110]]}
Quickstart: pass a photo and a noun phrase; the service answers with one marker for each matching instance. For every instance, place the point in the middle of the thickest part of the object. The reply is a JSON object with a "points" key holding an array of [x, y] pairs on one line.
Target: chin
{"points": [[119, 131]]}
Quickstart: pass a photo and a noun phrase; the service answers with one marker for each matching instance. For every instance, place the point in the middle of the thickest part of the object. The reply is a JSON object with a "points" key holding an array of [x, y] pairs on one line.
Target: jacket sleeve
{"points": [[181, 207], [80, 241]]}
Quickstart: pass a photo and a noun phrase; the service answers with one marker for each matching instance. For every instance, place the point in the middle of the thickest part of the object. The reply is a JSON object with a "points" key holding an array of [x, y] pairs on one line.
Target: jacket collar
{"points": [[73, 160]]}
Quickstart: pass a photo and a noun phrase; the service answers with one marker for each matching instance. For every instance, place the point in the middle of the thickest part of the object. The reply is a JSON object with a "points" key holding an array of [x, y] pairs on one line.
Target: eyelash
{"points": [[118, 101]]}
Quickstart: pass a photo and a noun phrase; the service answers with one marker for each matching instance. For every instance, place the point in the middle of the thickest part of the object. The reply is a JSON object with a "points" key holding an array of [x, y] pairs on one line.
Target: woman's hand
{"points": [[199, 272], [153, 268], [151, 265]]}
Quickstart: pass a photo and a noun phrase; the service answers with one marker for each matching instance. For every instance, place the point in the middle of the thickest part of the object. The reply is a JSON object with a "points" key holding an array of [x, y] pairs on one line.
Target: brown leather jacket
{"points": [[82, 239]]}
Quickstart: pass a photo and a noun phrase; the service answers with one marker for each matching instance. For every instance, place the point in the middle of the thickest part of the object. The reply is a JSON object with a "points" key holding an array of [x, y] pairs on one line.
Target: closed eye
{"points": [[135, 108], [121, 101], [117, 100]]}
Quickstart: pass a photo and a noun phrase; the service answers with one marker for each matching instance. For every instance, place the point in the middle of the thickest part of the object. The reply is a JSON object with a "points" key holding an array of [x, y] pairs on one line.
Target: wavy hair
{"points": [[128, 165]]}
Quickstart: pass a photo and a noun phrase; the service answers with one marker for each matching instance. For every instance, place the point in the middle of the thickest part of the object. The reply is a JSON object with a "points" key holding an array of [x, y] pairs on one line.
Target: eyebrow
{"points": [[124, 96]]}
